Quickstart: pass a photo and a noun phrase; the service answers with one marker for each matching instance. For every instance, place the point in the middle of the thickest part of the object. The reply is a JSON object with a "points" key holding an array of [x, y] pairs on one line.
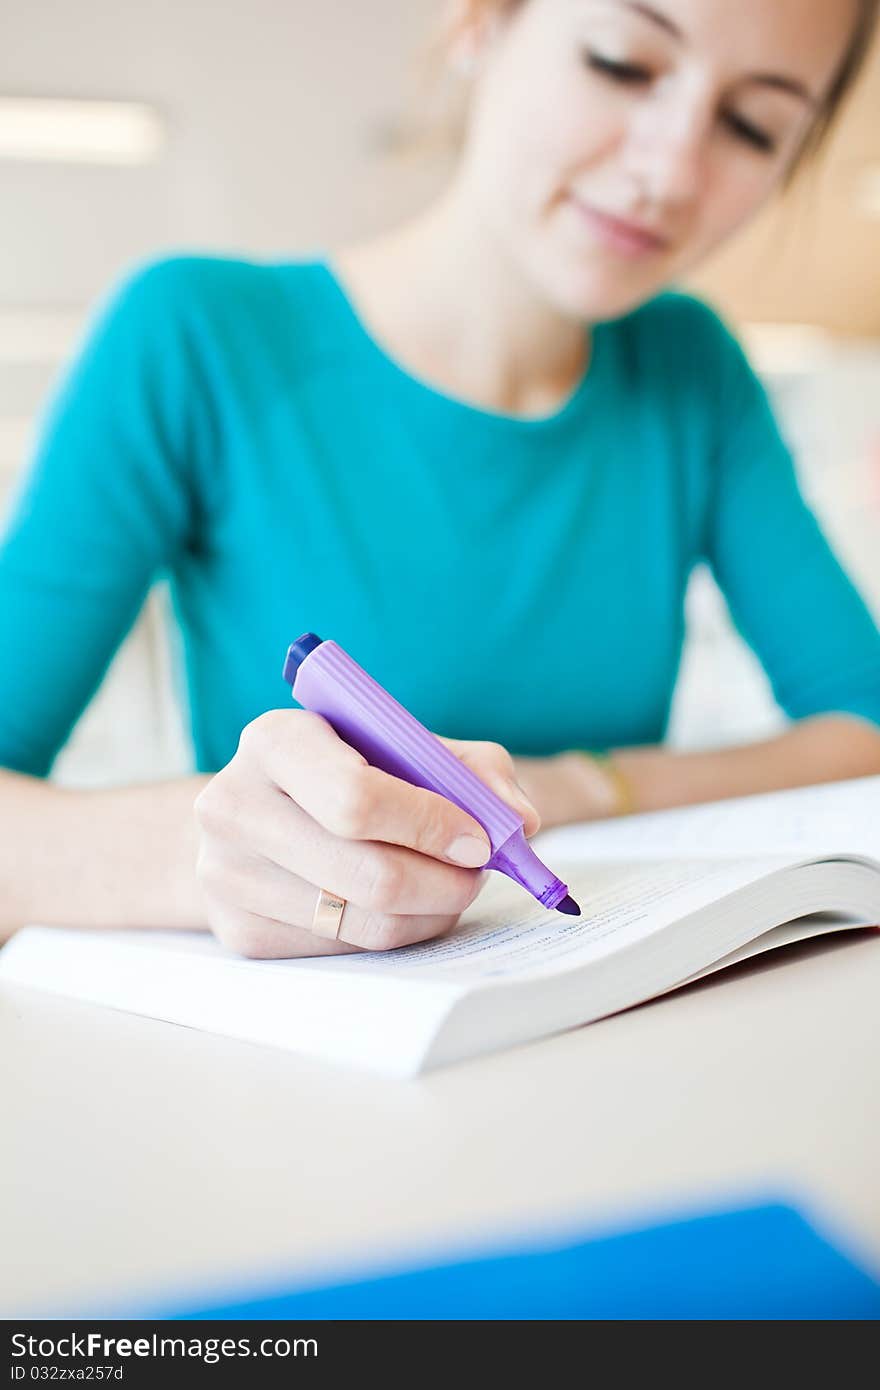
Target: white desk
{"points": [[140, 1158]]}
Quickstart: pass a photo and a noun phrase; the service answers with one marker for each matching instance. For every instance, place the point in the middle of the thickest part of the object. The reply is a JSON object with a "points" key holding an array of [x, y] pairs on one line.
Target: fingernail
{"points": [[469, 850]]}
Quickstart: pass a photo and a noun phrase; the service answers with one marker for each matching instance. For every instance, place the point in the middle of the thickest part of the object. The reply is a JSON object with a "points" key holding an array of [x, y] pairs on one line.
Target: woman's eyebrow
{"points": [[780, 83], [656, 17], [777, 80]]}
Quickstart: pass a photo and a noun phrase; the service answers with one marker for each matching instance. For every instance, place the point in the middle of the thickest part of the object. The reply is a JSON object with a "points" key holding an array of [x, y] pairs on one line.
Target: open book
{"points": [[665, 898]]}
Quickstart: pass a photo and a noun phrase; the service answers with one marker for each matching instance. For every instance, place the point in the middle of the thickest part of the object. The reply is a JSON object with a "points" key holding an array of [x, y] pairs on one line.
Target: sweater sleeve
{"points": [[105, 503], [787, 592]]}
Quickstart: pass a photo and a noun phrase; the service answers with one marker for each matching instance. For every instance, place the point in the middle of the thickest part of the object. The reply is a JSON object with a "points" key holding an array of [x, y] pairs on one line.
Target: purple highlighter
{"points": [[326, 680]]}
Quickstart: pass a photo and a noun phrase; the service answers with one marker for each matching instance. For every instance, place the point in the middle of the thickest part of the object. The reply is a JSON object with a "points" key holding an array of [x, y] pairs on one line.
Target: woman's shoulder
{"points": [[234, 315], [683, 323], [687, 350], [677, 327], [228, 284]]}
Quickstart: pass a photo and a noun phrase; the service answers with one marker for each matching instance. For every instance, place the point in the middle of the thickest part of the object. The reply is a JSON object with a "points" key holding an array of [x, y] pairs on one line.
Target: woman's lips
{"points": [[628, 238]]}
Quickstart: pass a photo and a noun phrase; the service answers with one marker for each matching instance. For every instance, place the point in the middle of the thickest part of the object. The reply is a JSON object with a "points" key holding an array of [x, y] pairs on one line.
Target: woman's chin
{"points": [[591, 287], [595, 296]]}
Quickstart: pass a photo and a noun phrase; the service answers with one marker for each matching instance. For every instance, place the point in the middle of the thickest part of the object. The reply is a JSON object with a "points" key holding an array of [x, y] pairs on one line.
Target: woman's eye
{"points": [[751, 134], [619, 72]]}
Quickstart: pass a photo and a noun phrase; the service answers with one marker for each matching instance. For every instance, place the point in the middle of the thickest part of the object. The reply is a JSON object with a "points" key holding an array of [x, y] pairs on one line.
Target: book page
{"points": [[837, 816], [506, 933]]}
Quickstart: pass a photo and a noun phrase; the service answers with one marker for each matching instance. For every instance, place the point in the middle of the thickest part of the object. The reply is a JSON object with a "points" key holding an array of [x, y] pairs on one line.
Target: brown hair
{"points": [[867, 12], [844, 79]]}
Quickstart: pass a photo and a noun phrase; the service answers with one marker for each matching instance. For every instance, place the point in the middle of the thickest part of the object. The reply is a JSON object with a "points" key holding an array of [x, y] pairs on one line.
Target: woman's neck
{"points": [[445, 299]]}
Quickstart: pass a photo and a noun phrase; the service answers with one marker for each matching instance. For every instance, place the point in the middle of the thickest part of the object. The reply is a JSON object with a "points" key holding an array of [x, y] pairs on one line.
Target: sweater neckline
{"points": [[583, 390]]}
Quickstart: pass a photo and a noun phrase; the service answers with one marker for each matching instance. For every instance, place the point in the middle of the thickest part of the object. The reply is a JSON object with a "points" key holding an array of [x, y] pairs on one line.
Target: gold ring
{"points": [[328, 915]]}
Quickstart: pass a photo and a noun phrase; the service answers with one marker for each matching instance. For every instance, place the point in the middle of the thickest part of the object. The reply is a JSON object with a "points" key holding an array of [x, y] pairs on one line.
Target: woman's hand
{"points": [[298, 809], [567, 787]]}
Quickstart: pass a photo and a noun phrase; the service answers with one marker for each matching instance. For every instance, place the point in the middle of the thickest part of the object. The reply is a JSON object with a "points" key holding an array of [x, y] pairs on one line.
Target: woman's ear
{"points": [[469, 28]]}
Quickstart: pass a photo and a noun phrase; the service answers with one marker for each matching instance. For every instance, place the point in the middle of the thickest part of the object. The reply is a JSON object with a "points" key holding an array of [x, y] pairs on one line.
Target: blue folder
{"points": [[764, 1262]]}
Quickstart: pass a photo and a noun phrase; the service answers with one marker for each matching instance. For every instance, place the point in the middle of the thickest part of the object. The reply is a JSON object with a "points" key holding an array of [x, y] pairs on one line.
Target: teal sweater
{"points": [[231, 427]]}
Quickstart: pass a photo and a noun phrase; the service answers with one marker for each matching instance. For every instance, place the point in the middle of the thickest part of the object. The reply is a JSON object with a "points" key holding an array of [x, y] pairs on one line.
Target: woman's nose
{"points": [[666, 155]]}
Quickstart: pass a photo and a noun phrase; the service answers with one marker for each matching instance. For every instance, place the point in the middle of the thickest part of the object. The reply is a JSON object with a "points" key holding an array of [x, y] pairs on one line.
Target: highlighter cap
{"points": [[297, 653]]}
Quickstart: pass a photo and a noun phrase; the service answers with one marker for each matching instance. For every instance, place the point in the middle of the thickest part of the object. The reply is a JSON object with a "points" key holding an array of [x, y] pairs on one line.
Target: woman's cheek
{"points": [[730, 202]]}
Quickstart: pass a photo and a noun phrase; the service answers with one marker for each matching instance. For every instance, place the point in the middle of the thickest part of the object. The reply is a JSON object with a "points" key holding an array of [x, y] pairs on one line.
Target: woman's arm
{"points": [[789, 598], [292, 810], [124, 857], [112, 496], [573, 786]]}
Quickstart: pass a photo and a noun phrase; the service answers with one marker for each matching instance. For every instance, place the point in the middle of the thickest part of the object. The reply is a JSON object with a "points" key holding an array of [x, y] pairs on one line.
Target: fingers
{"points": [[378, 877], [261, 911], [355, 801], [304, 756], [297, 809], [264, 938]]}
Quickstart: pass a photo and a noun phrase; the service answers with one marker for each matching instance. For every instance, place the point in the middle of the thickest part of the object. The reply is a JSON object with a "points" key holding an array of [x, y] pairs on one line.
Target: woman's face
{"points": [[612, 144]]}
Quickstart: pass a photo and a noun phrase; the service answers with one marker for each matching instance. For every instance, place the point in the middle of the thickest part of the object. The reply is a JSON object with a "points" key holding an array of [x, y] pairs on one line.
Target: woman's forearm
{"points": [[126, 857], [573, 786], [826, 748], [123, 857]]}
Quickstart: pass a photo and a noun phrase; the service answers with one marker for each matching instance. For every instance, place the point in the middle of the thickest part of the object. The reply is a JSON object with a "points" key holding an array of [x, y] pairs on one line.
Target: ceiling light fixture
{"points": [[79, 132]]}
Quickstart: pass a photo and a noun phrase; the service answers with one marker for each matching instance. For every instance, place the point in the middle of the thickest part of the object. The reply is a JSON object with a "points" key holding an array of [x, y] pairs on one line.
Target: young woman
{"points": [[482, 452]]}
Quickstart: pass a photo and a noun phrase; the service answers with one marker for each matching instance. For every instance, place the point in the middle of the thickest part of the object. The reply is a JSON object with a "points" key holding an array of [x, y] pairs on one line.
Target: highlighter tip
{"points": [[569, 905]]}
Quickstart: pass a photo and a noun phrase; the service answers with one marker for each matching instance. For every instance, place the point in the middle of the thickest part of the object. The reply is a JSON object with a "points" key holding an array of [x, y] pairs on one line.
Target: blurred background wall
{"points": [[278, 127]]}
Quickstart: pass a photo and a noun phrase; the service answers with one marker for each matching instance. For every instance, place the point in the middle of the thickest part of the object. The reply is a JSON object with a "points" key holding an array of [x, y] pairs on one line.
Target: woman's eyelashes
{"points": [[636, 74], [744, 130], [615, 69]]}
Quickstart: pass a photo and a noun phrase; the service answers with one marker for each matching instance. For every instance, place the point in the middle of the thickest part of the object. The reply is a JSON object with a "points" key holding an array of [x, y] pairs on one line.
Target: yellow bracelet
{"points": [[625, 804]]}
